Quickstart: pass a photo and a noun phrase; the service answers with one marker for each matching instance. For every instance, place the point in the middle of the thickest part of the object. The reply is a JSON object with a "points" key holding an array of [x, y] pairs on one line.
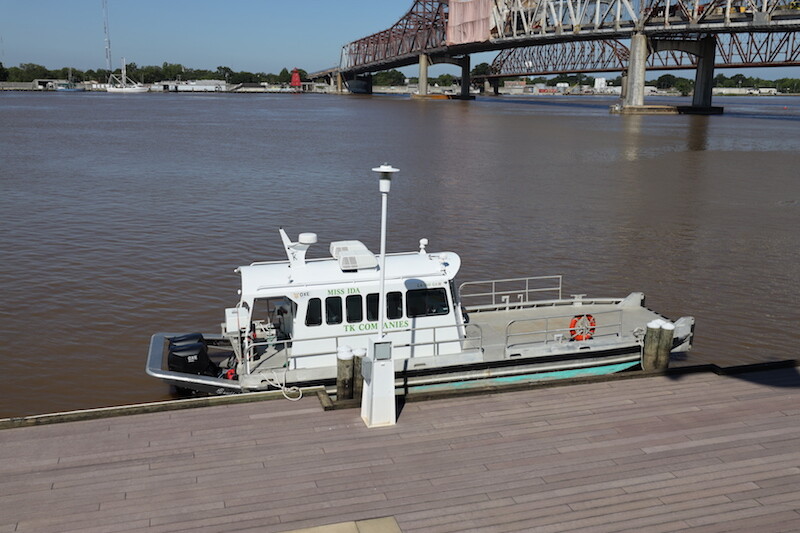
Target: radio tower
{"points": [[108, 39]]}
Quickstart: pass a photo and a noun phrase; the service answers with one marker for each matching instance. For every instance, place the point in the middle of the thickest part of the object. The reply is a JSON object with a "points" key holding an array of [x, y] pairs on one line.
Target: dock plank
{"points": [[698, 452]]}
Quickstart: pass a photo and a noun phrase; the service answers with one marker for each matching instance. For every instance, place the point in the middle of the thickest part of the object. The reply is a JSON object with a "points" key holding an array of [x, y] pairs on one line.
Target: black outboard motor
{"points": [[188, 354], [183, 340]]}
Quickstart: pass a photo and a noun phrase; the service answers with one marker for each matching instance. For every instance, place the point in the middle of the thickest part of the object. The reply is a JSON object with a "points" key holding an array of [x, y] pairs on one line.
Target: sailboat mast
{"points": [[108, 39]]}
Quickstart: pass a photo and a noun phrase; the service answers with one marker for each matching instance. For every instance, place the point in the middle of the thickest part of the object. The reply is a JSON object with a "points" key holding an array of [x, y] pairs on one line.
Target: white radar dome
{"points": [[307, 238]]}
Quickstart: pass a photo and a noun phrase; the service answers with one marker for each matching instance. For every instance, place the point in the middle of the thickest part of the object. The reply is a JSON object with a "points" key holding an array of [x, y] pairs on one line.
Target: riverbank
{"points": [[203, 86], [215, 86]]}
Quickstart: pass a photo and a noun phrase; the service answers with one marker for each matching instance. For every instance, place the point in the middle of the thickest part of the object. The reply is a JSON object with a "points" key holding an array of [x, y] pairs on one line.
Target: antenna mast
{"points": [[108, 39]]}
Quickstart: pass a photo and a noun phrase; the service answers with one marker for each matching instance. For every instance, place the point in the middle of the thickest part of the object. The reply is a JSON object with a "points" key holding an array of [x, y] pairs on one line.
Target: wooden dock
{"points": [[694, 451]]}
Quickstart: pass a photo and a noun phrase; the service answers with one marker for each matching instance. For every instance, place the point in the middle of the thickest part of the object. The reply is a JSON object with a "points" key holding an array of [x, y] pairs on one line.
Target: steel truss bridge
{"points": [[612, 55], [558, 36]]}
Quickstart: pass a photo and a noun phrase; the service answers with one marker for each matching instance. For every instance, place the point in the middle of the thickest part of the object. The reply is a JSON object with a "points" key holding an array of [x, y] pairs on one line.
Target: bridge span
{"points": [[558, 36]]}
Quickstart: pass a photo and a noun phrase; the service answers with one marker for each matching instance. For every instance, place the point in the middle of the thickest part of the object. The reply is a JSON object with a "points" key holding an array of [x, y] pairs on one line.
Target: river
{"points": [[124, 215]]}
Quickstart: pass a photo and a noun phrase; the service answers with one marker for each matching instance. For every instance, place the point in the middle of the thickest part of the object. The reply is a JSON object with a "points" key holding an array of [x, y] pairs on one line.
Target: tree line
{"points": [[664, 82], [27, 72], [685, 86]]}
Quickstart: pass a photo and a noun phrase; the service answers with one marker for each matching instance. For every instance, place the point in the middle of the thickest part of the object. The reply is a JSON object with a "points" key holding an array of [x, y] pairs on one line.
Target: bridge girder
{"points": [[733, 50], [523, 23], [422, 28]]}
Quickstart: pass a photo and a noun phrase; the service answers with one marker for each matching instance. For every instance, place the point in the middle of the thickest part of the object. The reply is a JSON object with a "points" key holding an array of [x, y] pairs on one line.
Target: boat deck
{"points": [[688, 452], [611, 323]]}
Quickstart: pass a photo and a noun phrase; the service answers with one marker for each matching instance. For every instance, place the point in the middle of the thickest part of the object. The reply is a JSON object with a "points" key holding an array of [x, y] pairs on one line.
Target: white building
{"points": [[196, 86]]}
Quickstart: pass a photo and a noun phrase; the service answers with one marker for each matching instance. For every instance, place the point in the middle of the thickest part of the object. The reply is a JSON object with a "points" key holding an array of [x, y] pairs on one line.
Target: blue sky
{"points": [[249, 35]]}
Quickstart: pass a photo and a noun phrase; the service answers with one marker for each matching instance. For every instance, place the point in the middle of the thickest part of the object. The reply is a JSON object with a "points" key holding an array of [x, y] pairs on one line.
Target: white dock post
{"points": [[344, 373], [657, 345], [650, 349], [358, 380], [664, 345]]}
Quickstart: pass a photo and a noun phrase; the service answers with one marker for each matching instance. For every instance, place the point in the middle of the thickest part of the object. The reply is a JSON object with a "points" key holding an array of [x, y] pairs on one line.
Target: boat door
{"points": [[273, 318]]}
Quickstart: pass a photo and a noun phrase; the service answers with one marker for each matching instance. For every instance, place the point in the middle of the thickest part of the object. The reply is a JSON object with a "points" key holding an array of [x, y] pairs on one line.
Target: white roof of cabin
{"points": [[280, 274]]}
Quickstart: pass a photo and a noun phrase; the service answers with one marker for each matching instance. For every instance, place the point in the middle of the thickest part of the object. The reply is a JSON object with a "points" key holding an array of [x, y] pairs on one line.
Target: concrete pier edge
{"points": [[328, 404]]}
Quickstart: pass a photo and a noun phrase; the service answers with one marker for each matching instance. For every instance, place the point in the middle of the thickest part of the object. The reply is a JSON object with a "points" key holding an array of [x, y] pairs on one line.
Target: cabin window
{"points": [[355, 312], [333, 310], [394, 306], [372, 306], [314, 312], [426, 302]]}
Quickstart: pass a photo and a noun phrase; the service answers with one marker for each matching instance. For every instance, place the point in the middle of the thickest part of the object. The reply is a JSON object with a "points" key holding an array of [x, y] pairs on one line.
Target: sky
{"points": [[245, 35]]}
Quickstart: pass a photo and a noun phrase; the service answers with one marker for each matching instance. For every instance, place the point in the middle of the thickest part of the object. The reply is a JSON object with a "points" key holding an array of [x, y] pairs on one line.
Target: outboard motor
{"points": [[183, 340], [190, 357]]}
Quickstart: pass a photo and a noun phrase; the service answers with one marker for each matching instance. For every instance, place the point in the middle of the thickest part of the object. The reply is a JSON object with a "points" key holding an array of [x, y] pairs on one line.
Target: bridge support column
{"points": [[423, 75], [465, 80], [705, 49], [358, 83], [624, 89], [637, 65], [704, 77]]}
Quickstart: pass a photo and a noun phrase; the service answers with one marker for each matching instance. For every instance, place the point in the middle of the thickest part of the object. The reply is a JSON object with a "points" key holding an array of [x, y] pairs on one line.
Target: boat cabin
{"points": [[314, 307]]}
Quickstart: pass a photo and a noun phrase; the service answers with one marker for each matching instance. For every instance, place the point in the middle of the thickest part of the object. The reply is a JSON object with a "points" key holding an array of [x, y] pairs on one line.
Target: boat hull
{"points": [[127, 90], [473, 369]]}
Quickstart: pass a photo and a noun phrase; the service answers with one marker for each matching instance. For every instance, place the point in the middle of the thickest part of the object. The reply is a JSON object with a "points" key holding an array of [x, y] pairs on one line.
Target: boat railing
{"points": [[462, 337], [558, 329], [417, 348], [508, 293], [317, 259], [545, 303]]}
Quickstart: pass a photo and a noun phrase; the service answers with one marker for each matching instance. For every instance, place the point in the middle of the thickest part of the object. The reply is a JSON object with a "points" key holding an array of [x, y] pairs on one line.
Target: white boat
{"points": [[123, 84], [294, 315]]}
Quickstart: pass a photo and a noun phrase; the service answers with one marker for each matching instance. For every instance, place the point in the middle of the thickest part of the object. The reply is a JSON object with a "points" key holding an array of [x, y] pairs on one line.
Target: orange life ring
{"points": [[581, 327]]}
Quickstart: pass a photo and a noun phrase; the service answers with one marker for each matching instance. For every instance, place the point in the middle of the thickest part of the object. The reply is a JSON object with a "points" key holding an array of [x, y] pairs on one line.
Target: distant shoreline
{"points": [[383, 90]]}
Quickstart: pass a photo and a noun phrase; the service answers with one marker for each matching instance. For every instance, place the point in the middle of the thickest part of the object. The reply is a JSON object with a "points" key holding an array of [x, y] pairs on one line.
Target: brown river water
{"points": [[125, 215]]}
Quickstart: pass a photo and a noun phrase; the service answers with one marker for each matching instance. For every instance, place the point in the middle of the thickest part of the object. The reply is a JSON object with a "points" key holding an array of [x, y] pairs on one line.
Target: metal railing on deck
{"points": [[557, 329], [510, 292], [470, 336]]}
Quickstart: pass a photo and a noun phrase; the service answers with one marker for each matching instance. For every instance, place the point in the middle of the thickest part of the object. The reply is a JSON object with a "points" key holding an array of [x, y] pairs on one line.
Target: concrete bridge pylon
{"points": [[705, 49], [637, 66], [704, 77], [641, 47], [465, 76], [423, 75], [462, 61]]}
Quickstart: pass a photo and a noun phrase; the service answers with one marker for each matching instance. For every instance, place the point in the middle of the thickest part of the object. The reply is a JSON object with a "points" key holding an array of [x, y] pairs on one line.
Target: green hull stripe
{"points": [[541, 376]]}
